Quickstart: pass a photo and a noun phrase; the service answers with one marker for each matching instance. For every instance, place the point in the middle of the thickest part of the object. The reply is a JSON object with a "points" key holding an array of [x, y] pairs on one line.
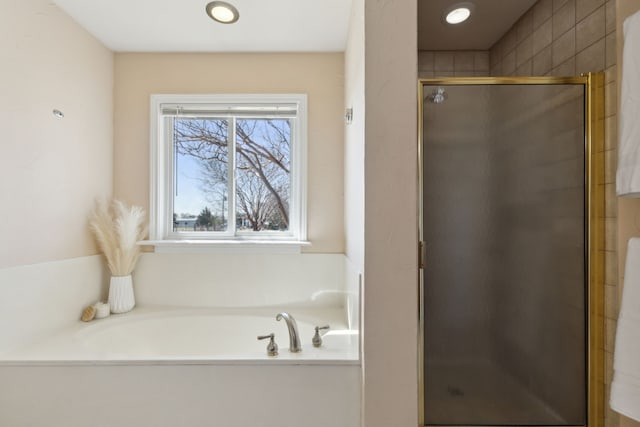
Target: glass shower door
{"points": [[505, 277]]}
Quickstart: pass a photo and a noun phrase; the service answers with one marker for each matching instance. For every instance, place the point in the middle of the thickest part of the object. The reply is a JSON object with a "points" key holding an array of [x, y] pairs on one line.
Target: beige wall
{"points": [[391, 282], [321, 76], [354, 139], [52, 169], [628, 209]]}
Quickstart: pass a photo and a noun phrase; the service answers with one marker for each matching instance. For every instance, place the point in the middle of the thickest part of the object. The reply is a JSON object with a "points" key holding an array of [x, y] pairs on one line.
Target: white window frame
{"points": [[161, 233]]}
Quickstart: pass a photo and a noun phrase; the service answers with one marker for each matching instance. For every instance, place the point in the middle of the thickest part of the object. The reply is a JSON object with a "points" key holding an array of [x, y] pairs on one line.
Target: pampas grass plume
{"points": [[117, 228]]}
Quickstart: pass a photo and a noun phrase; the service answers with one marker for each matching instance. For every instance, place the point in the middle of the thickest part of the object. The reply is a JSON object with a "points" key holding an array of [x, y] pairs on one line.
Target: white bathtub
{"points": [[165, 367], [193, 335]]}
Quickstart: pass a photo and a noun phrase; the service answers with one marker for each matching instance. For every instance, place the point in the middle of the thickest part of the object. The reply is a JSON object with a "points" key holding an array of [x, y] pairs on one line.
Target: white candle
{"points": [[102, 309]]}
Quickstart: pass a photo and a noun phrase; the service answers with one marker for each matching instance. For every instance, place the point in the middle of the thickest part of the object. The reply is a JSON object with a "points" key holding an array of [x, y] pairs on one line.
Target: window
{"points": [[228, 168]]}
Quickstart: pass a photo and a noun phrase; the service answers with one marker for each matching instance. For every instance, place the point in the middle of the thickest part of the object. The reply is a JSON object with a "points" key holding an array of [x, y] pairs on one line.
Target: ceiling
{"points": [[183, 26], [274, 25], [490, 20]]}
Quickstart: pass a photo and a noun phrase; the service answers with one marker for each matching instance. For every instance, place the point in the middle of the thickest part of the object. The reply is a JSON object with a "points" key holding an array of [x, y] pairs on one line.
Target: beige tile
{"points": [[611, 417], [496, 71], [463, 61], [557, 4], [481, 61], [495, 55], [611, 302], [509, 63], [611, 132], [591, 59], [542, 62], [566, 69], [425, 60], [481, 74], [542, 36], [599, 177], [610, 16], [610, 268], [598, 135], [463, 73], [524, 51], [610, 100], [443, 61], [609, 334], [610, 165], [509, 42], [611, 74], [426, 74], [438, 74], [600, 172], [610, 201], [608, 367], [542, 11], [610, 234], [564, 47], [585, 7], [524, 27], [525, 69], [590, 29], [611, 52], [627, 422], [564, 19]]}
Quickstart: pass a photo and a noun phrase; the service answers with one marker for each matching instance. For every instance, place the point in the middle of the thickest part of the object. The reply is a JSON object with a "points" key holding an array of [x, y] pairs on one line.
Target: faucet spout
{"points": [[294, 338]]}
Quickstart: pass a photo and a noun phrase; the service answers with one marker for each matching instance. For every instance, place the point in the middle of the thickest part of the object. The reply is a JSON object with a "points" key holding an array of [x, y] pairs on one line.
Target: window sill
{"points": [[226, 246]]}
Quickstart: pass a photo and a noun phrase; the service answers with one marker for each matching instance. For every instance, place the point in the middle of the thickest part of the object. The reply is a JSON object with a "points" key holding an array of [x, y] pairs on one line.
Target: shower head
{"points": [[438, 96]]}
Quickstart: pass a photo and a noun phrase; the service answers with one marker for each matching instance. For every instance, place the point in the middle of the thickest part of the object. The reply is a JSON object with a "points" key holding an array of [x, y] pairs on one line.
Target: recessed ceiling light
{"points": [[222, 12], [458, 13]]}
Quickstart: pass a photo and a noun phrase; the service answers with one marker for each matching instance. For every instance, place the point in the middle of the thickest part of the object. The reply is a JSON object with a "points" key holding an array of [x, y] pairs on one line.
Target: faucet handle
{"points": [[317, 339], [272, 347]]}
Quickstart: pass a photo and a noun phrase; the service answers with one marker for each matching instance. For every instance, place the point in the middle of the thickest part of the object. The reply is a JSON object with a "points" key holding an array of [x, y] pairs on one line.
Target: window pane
{"points": [[263, 178], [201, 175]]}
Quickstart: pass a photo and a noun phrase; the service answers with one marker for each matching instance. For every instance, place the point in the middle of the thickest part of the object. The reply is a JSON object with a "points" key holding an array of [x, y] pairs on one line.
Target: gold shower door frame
{"points": [[594, 224]]}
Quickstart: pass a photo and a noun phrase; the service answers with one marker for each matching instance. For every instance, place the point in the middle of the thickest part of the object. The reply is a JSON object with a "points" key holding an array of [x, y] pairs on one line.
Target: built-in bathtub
{"points": [[194, 363], [160, 366], [204, 335]]}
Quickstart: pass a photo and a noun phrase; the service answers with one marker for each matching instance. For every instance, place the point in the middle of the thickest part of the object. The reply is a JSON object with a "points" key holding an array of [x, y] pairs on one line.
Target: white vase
{"points": [[121, 297]]}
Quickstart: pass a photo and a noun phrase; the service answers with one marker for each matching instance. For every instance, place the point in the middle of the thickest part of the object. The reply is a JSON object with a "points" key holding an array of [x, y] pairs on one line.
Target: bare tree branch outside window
{"points": [[262, 160]]}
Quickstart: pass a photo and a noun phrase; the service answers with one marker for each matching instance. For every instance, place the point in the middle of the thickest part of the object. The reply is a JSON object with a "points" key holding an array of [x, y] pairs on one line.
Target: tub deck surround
{"points": [[174, 335], [240, 280], [40, 299]]}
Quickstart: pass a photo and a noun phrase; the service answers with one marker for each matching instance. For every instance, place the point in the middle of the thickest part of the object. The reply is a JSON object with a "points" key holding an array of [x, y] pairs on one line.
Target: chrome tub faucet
{"points": [[294, 338]]}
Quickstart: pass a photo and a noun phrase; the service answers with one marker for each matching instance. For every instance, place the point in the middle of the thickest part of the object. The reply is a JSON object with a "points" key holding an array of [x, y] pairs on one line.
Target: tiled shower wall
{"points": [[567, 38], [468, 63], [537, 194], [560, 38]]}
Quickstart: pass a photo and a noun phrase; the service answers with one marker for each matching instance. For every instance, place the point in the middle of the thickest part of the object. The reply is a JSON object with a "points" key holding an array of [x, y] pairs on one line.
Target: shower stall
{"points": [[511, 252]]}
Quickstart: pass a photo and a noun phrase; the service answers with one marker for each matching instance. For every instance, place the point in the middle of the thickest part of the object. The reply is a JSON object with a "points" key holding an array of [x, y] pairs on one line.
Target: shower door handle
{"points": [[421, 254]]}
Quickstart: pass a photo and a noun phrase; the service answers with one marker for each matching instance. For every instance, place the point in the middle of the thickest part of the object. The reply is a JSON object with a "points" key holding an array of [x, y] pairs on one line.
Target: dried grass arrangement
{"points": [[117, 228]]}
